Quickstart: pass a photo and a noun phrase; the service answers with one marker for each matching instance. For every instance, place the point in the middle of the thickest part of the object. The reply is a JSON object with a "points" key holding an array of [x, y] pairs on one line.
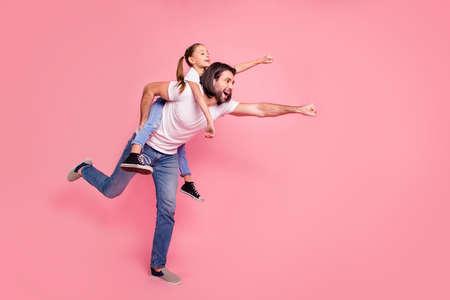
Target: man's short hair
{"points": [[213, 72]]}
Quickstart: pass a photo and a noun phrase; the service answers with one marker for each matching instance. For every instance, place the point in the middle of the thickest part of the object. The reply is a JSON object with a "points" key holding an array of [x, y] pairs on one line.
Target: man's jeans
{"points": [[165, 177], [153, 122]]}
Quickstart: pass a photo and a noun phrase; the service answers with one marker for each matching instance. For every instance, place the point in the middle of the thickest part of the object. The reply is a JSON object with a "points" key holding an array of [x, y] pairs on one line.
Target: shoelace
{"points": [[144, 159], [194, 189]]}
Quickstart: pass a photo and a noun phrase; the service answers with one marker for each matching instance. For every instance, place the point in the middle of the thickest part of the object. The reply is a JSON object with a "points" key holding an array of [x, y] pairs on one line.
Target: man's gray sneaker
{"points": [[166, 275], [73, 173]]}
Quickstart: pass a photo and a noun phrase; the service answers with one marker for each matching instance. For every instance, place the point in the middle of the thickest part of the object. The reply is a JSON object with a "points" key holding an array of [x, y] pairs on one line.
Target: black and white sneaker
{"points": [[139, 163], [189, 189]]}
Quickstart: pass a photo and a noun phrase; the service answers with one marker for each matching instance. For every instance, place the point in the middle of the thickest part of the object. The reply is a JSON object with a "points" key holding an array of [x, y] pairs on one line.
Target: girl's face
{"points": [[200, 57]]}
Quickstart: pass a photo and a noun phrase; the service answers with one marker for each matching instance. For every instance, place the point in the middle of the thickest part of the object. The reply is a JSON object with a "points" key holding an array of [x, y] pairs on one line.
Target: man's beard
{"points": [[220, 99]]}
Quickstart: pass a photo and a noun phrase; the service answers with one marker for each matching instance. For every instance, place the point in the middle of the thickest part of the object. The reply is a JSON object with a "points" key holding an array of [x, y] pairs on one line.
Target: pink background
{"points": [[353, 204]]}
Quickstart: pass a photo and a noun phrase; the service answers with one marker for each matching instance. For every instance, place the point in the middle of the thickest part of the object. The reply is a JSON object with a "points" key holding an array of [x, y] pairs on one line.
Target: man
{"points": [[181, 120]]}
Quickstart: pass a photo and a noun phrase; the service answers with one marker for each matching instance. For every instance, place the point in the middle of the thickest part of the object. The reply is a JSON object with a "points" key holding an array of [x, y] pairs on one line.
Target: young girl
{"points": [[197, 57]]}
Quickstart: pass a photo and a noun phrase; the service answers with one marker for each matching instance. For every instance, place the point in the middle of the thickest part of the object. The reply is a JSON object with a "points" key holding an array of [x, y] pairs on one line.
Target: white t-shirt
{"points": [[182, 118], [192, 75]]}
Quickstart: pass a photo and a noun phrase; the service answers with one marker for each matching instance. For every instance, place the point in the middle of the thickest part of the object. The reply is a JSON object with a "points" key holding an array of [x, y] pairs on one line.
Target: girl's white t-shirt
{"points": [[192, 75], [182, 117]]}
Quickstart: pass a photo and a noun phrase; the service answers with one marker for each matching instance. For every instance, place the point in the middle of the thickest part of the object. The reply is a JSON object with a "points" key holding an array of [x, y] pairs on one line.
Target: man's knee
{"points": [[110, 193], [167, 210]]}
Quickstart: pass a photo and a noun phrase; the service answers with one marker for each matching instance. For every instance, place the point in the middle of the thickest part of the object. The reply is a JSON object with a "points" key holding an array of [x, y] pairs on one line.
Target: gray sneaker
{"points": [[167, 276], [73, 173]]}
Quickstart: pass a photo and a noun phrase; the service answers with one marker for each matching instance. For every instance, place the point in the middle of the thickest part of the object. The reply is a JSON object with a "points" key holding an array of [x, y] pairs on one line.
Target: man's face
{"points": [[223, 87]]}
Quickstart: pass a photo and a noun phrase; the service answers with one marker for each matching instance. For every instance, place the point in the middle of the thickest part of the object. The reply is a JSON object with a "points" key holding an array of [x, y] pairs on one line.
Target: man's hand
{"points": [[268, 59], [210, 131], [309, 110]]}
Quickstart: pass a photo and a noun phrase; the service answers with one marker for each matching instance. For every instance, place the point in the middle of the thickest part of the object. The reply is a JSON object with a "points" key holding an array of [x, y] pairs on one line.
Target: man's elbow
{"points": [[260, 112], [148, 91]]}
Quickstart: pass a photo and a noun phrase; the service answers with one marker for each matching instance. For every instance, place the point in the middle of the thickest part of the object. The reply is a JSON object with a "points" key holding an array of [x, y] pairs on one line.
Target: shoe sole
{"points": [[198, 199], [172, 283], [133, 168]]}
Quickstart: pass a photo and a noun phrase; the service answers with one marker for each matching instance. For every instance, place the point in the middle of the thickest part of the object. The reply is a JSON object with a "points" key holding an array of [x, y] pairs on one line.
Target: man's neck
{"points": [[211, 101]]}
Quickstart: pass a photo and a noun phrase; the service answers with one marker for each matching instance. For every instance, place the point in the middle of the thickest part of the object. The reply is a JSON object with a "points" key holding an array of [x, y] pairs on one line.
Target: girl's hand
{"points": [[268, 59], [210, 131]]}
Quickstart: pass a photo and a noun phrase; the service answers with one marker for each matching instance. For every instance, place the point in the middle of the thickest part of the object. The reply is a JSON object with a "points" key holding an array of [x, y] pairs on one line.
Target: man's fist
{"points": [[309, 110]]}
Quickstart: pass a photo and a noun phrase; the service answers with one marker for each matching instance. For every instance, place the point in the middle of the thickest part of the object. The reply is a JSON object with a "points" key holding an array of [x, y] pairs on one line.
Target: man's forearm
{"points": [[146, 103], [275, 110]]}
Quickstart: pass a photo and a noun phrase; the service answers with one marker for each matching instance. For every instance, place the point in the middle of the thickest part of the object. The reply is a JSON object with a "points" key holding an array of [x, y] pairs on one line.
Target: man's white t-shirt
{"points": [[182, 118]]}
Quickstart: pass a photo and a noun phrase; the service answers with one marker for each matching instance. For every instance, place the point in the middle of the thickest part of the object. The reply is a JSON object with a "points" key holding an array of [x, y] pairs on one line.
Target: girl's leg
{"points": [[188, 187], [152, 123], [183, 163], [137, 162]]}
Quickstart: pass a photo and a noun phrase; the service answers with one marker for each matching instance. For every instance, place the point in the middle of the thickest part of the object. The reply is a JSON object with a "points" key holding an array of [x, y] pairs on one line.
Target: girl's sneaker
{"points": [[139, 163], [189, 189]]}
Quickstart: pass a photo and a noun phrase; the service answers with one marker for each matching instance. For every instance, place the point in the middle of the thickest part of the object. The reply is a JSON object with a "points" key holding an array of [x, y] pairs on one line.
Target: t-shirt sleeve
{"points": [[175, 95], [173, 90], [229, 107], [198, 83]]}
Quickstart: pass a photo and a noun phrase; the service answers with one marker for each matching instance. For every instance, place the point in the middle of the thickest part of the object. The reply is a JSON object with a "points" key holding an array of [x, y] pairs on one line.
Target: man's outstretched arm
{"points": [[272, 110]]}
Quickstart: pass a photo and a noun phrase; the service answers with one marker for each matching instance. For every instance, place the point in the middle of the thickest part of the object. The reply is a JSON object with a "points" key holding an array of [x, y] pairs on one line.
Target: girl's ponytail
{"points": [[180, 75]]}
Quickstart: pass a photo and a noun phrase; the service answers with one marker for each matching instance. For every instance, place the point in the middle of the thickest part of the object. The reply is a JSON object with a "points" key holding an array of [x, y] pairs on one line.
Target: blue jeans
{"points": [[153, 122], [165, 178]]}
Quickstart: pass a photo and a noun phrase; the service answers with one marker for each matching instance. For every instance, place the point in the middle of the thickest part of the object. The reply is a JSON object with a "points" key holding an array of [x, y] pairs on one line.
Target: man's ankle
{"points": [[79, 170]]}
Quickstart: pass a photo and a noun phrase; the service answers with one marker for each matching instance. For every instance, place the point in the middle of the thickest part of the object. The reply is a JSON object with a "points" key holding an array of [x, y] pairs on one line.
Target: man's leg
{"points": [[165, 177], [113, 185]]}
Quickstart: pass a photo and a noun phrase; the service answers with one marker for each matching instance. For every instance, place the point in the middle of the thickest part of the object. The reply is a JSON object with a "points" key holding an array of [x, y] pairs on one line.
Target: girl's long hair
{"points": [[180, 74]]}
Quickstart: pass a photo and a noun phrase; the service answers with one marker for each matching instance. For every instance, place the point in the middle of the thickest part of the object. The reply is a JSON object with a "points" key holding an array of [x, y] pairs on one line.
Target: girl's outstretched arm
{"points": [[249, 64], [200, 98]]}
